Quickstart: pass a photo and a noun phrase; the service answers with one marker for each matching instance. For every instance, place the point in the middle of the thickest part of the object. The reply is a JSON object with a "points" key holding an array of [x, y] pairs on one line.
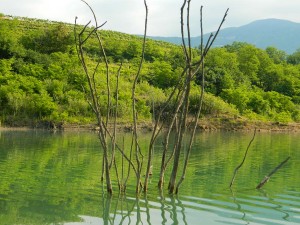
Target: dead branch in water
{"points": [[178, 100], [239, 166], [267, 178]]}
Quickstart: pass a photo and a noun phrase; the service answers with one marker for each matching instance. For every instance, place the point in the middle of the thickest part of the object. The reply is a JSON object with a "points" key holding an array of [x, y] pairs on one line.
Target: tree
{"points": [[238, 97], [278, 56], [222, 71], [9, 43], [162, 75], [133, 50], [6, 66], [56, 39], [271, 77], [249, 62], [294, 58]]}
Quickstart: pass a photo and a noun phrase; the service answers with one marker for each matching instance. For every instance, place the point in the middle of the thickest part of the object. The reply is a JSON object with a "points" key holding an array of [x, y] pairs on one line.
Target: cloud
{"points": [[164, 15]]}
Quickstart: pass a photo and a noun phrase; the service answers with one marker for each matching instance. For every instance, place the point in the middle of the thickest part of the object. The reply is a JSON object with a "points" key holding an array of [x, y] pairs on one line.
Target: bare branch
{"points": [[188, 28], [93, 31], [197, 114], [240, 165], [182, 30], [138, 152], [267, 178], [217, 32], [201, 30], [93, 93]]}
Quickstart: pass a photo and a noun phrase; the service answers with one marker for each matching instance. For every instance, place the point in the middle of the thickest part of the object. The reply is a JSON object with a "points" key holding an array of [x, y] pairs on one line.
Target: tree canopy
{"points": [[42, 79]]}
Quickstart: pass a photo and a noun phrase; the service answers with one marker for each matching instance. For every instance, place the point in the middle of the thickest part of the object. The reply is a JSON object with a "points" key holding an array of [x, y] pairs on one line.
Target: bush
{"points": [[283, 117], [212, 105]]}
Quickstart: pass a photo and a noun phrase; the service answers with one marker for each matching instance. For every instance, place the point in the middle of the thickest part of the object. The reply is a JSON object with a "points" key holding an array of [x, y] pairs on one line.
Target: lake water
{"points": [[54, 178]]}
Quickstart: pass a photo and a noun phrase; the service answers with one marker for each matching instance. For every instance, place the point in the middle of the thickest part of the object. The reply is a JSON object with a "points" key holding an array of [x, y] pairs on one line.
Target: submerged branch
{"points": [[267, 178], [239, 166]]}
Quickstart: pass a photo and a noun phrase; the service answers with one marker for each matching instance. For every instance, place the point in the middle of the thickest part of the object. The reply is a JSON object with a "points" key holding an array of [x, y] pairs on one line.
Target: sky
{"points": [[164, 15]]}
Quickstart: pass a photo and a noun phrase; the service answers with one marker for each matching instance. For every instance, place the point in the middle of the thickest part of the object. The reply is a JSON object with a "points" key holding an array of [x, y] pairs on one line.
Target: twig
{"points": [[239, 166], [138, 153], [197, 114], [267, 178]]}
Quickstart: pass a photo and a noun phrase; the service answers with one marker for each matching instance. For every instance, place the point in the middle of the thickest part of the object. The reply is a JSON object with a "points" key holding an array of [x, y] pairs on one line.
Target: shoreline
{"points": [[241, 124], [204, 124]]}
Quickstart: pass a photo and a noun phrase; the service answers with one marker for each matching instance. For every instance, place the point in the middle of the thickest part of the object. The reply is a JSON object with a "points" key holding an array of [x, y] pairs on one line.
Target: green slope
{"points": [[42, 82]]}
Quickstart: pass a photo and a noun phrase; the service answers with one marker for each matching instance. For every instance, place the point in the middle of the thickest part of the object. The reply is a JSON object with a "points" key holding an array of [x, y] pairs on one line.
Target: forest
{"points": [[41, 78]]}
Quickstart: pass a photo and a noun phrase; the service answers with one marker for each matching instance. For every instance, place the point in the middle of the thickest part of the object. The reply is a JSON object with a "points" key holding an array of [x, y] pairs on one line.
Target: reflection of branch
{"points": [[129, 211], [174, 211], [147, 210], [182, 210], [172, 207], [138, 212], [123, 210], [239, 207], [115, 209], [239, 166], [267, 178], [278, 207], [106, 209], [162, 209]]}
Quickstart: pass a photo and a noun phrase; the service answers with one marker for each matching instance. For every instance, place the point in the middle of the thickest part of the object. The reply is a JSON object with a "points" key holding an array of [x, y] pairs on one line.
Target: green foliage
{"points": [[162, 75], [222, 71], [8, 40], [272, 105], [238, 97], [53, 39], [249, 62], [294, 58], [6, 66], [41, 78], [212, 105], [278, 56]]}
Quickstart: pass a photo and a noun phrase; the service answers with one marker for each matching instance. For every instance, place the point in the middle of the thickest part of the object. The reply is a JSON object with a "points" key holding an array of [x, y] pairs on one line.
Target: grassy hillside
{"points": [[42, 82]]}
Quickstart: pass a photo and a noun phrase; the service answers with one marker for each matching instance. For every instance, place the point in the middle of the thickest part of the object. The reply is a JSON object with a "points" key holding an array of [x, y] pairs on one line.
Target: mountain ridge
{"points": [[278, 33]]}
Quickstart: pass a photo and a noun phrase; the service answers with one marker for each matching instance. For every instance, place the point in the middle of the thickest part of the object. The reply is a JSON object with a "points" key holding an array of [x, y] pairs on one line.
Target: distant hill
{"points": [[282, 34]]}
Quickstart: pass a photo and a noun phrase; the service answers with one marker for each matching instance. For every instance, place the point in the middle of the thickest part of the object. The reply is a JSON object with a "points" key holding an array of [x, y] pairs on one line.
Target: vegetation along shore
{"points": [[42, 84]]}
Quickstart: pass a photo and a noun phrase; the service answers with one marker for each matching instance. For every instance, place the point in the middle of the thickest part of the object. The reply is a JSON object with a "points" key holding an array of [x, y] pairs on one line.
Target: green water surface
{"points": [[54, 178]]}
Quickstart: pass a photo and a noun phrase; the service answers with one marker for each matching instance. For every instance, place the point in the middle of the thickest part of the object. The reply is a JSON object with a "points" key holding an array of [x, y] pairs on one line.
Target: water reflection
{"points": [[54, 178], [239, 207], [246, 209], [127, 210], [276, 206], [260, 207]]}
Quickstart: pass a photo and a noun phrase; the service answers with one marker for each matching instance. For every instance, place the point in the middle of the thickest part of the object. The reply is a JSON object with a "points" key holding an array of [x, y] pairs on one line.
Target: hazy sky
{"points": [[164, 15]]}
